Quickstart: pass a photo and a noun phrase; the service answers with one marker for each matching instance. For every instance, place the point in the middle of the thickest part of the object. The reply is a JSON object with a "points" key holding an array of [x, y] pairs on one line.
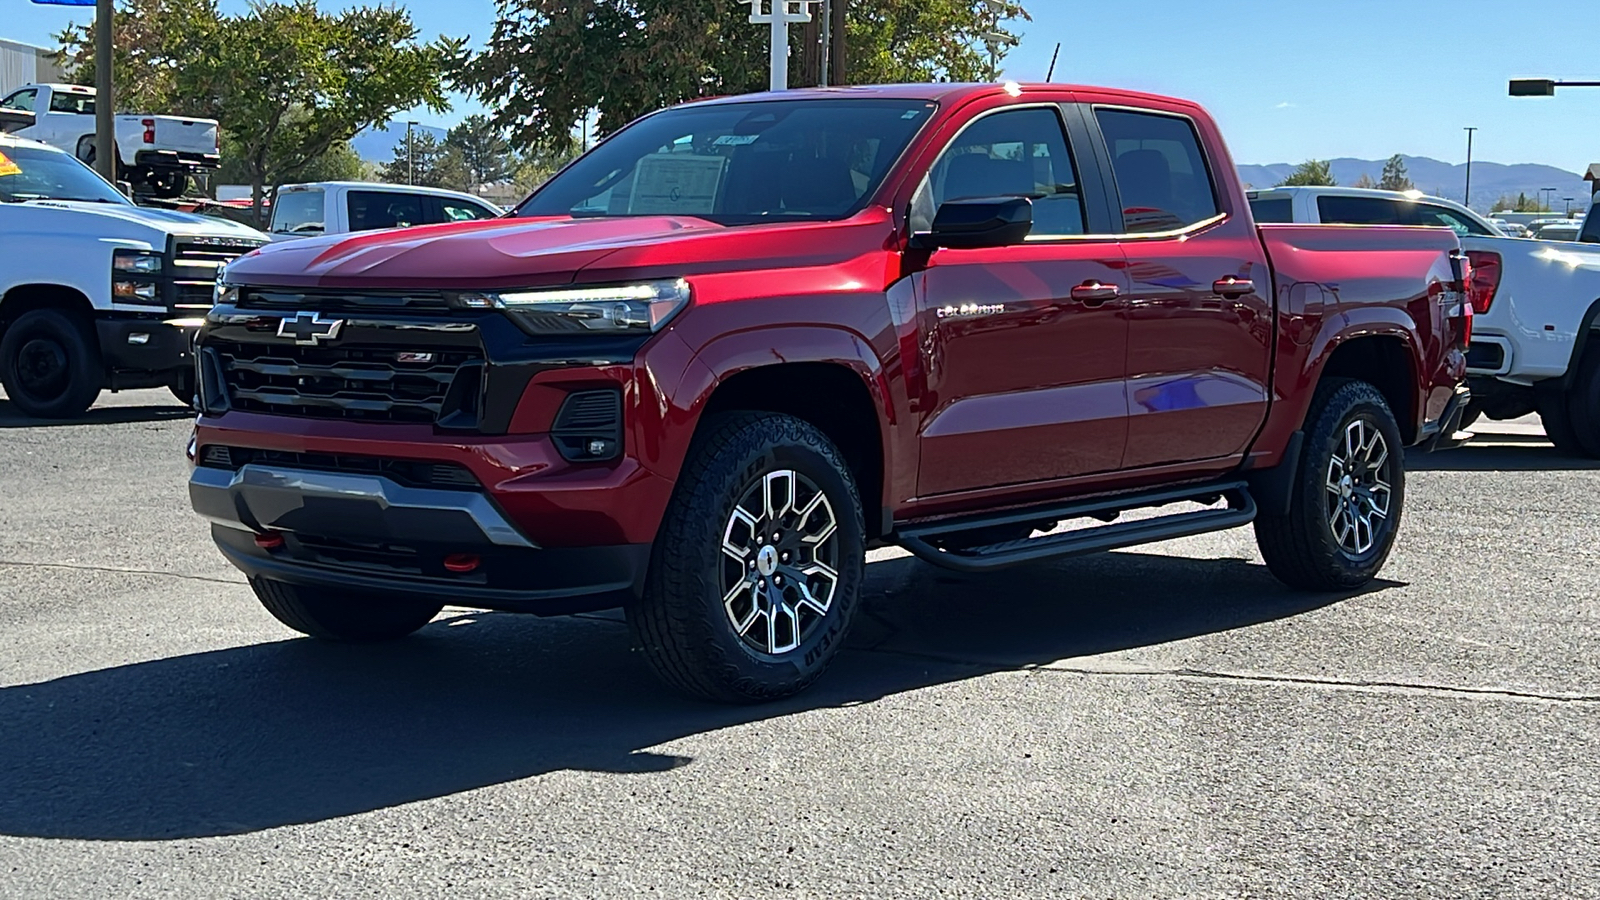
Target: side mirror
{"points": [[976, 224]]}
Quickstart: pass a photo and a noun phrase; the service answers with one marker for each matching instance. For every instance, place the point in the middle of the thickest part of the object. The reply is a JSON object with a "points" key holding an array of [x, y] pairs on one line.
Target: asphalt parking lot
{"points": [[1168, 722]]}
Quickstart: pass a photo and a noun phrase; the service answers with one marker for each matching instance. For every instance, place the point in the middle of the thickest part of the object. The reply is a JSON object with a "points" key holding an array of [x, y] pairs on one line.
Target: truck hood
{"points": [[138, 222], [510, 253]]}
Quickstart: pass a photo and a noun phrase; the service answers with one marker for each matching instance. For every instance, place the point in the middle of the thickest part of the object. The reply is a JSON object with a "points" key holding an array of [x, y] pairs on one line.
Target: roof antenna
{"points": [[1048, 75]]}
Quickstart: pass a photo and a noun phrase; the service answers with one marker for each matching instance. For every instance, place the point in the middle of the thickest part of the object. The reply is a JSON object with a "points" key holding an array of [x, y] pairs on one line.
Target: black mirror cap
{"points": [[979, 223]]}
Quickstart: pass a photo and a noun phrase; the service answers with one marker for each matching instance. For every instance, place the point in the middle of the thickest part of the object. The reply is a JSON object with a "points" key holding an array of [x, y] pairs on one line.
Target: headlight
{"points": [[618, 309], [224, 294], [137, 262]]}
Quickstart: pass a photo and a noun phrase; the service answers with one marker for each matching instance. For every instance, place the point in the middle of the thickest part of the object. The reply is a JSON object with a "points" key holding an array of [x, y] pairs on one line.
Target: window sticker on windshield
{"points": [[911, 114], [675, 184], [7, 167], [735, 140]]}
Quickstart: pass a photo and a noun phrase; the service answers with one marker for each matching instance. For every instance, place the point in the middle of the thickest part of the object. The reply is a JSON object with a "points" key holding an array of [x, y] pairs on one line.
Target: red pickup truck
{"points": [[706, 367]]}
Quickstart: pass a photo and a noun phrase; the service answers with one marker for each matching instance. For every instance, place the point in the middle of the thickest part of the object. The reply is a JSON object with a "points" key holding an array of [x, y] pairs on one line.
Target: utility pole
{"points": [[779, 18], [1551, 199], [1467, 202], [105, 147], [411, 155]]}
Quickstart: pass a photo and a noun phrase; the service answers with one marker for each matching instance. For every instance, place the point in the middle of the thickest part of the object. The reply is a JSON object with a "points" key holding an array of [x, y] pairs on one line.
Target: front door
{"points": [[1199, 317], [1024, 347]]}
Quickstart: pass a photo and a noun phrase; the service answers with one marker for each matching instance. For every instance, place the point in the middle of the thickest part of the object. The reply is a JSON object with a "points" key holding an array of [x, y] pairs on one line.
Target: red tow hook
{"points": [[269, 541], [462, 563]]}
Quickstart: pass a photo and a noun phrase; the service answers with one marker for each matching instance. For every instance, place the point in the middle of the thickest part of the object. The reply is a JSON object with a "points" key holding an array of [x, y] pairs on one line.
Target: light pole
{"points": [[1569, 206], [1548, 200], [105, 100], [411, 155], [779, 18], [1468, 199], [1544, 87], [994, 37]]}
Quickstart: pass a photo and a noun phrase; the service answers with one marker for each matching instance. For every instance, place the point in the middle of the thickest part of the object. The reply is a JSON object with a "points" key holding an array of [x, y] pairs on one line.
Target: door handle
{"points": [[1233, 288], [1093, 293]]}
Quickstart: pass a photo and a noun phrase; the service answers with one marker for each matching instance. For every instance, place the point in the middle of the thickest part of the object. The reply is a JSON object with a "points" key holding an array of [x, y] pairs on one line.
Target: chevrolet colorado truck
{"points": [[96, 292], [706, 367]]}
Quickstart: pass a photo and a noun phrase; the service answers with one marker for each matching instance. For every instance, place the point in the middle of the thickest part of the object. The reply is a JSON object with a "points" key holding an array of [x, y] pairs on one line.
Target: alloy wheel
{"points": [[779, 562], [1358, 487]]}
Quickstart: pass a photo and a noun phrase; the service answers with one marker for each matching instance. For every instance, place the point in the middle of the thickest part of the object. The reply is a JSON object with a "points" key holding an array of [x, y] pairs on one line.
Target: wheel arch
{"points": [[24, 298], [842, 393], [1587, 326], [1387, 361]]}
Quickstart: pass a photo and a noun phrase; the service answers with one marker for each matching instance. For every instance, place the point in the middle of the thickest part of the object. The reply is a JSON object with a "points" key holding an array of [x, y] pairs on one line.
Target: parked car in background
{"points": [[1509, 229], [1557, 230], [704, 368], [1537, 306], [95, 292], [340, 207], [156, 154]]}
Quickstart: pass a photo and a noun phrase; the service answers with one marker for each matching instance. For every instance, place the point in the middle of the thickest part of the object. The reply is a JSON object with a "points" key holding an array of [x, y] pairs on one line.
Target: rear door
{"points": [[1023, 346], [1199, 309]]}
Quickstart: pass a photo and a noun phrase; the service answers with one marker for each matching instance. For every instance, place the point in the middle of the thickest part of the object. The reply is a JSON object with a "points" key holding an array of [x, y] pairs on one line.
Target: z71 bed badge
{"points": [[967, 310]]}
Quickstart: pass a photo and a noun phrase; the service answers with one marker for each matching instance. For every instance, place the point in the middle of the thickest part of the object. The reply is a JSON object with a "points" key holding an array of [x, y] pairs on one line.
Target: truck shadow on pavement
{"points": [[1500, 453], [11, 417], [296, 731]]}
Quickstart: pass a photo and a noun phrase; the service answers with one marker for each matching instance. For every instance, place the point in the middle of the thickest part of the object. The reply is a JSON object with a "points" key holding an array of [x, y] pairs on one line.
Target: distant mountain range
{"points": [[1490, 181], [376, 145]]}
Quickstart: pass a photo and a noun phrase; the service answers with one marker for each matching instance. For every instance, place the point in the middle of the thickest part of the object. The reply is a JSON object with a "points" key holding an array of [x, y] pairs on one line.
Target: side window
{"points": [[1018, 153], [463, 211], [1161, 172], [21, 100], [77, 104], [371, 210], [1272, 209], [1449, 218], [1336, 210]]}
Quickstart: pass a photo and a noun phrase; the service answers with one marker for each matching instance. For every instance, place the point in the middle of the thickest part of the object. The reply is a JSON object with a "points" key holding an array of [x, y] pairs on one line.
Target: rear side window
{"points": [[1449, 218], [1017, 153], [77, 104], [1335, 210], [1272, 209], [1161, 172], [298, 212], [370, 210]]}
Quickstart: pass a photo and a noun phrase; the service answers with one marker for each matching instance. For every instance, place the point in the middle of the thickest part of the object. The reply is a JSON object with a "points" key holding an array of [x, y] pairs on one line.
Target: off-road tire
{"points": [[65, 345], [1583, 407], [351, 617], [1301, 548], [681, 623], [1553, 406]]}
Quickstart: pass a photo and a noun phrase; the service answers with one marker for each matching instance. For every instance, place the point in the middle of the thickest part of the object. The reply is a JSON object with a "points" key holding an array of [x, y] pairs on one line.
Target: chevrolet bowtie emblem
{"points": [[309, 329]]}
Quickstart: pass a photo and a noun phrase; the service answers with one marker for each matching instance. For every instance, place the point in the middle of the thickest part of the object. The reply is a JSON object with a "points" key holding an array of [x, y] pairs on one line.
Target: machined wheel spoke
{"points": [[791, 623], [753, 527], [773, 508], [741, 625]]}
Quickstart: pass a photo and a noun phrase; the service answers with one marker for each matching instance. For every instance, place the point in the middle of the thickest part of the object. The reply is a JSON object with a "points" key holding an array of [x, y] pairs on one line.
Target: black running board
{"points": [[1241, 510]]}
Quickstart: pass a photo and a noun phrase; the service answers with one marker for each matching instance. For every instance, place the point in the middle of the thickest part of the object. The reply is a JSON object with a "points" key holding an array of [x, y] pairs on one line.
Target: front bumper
{"points": [[369, 533], [164, 347], [1446, 433]]}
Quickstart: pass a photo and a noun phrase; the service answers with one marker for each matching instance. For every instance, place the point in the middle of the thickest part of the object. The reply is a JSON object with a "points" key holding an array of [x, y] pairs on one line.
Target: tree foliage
{"points": [[549, 62], [1394, 176], [287, 82], [484, 150], [340, 163], [1315, 172], [428, 161]]}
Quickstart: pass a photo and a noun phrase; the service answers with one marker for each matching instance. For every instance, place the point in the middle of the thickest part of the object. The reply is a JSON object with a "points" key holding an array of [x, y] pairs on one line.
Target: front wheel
{"points": [[337, 615], [1345, 512], [758, 565], [50, 364]]}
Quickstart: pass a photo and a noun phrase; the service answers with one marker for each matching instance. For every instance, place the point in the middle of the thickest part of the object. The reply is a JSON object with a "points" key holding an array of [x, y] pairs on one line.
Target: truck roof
{"points": [[378, 186], [935, 91]]}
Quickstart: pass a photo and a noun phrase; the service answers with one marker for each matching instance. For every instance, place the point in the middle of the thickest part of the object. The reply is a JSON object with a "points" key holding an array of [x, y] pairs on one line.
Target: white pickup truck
{"points": [[95, 292], [158, 154], [342, 207], [1531, 347]]}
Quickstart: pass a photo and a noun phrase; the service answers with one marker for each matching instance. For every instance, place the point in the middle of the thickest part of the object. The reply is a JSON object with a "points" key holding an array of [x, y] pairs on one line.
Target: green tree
{"points": [[152, 40], [1311, 172], [427, 161], [285, 80], [1394, 176], [483, 149], [340, 163], [549, 63]]}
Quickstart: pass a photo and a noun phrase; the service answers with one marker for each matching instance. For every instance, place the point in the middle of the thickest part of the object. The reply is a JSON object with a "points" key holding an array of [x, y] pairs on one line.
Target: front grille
{"points": [[373, 383], [337, 301], [407, 472], [196, 263]]}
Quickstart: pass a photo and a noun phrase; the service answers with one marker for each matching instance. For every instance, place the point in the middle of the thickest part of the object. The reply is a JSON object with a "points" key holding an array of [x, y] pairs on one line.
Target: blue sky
{"points": [[1362, 78]]}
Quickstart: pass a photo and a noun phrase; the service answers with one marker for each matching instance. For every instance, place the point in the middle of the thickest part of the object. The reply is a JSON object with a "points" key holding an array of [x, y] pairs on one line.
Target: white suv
{"points": [[1537, 307]]}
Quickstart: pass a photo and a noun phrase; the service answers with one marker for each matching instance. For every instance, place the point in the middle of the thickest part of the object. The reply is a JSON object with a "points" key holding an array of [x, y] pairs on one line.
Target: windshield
{"points": [[297, 212], [33, 173], [739, 163]]}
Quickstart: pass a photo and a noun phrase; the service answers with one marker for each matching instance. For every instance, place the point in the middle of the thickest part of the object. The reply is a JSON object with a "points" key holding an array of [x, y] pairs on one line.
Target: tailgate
{"points": [[181, 134]]}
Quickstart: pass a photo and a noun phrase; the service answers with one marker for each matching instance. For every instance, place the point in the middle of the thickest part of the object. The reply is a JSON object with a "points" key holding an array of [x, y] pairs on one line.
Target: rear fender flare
{"points": [[1356, 324]]}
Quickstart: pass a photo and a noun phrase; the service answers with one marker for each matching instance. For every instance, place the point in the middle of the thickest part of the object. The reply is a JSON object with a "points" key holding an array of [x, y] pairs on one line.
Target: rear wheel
{"points": [[1345, 512], [1552, 405], [338, 615], [50, 364], [1583, 407], [168, 184], [758, 566]]}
